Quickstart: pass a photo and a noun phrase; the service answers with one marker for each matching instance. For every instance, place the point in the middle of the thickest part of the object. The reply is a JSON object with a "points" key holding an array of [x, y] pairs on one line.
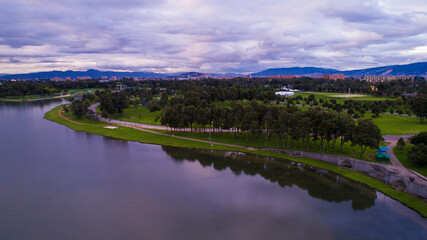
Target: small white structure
{"points": [[289, 89], [285, 93], [111, 127]]}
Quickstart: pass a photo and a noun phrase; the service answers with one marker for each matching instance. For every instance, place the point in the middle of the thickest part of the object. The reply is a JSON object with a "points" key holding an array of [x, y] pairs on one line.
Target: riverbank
{"points": [[36, 99], [130, 134]]}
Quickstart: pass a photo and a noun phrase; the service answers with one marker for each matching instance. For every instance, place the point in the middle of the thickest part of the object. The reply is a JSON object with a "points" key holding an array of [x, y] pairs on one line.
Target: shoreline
{"points": [[131, 134], [35, 99]]}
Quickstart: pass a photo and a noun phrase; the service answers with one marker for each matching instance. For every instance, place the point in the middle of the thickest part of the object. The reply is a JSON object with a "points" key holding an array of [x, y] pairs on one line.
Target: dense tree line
{"points": [[289, 124], [227, 88], [24, 88]]}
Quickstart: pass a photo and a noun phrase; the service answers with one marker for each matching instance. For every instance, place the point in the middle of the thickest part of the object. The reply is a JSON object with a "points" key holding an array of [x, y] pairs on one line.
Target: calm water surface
{"points": [[56, 183]]}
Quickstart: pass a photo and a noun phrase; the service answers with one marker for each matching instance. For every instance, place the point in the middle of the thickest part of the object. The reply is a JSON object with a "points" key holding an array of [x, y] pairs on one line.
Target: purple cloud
{"points": [[209, 36]]}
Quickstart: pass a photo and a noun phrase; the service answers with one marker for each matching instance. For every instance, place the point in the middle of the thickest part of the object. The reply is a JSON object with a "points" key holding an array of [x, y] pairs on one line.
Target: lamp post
{"points": [[210, 134]]}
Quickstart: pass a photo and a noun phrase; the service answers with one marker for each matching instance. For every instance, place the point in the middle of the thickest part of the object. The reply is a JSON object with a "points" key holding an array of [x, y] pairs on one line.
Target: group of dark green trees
{"points": [[289, 124], [113, 103], [24, 88], [418, 153]]}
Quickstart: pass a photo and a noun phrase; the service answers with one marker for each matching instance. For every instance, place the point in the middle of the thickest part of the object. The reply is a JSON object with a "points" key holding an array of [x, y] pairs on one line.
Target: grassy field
{"points": [[398, 125], [391, 124], [401, 155], [339, 99], [141, 114], [144, 137]]}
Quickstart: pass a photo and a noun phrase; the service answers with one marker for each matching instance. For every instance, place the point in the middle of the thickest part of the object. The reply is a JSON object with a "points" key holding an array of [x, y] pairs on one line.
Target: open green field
{"points": [[401, 155], [144, 137], [392, 124], [398, 125], [141, 114], [341, 97]]}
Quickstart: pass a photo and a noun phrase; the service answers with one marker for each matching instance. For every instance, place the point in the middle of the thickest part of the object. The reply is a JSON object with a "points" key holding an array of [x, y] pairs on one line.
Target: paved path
{"points": [[393, 158]]}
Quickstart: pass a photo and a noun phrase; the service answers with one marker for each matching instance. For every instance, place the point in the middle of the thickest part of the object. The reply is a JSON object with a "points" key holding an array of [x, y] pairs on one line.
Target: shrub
{"points": [[418, 155], [419, 138], [400, 144]]}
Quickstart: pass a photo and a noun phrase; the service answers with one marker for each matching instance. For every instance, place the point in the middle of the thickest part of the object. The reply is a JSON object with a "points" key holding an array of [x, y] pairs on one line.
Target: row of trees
{"points": [[290, 124], [24, 88]]}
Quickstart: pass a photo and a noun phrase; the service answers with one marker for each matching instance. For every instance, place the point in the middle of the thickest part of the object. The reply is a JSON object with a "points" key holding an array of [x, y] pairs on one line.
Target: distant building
{"points": [[334, 76], [113, 78], [120, 87], [285, 93], [286, 89], [84, 78], [379, 79]]}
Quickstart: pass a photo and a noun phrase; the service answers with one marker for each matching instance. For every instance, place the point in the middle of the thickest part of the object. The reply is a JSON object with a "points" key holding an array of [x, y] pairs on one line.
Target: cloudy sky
{"points": [[239, 36]]}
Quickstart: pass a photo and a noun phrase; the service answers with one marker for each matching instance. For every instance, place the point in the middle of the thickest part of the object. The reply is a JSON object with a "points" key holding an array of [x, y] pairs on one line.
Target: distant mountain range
{"points": [[417, 69], [74, 74]]}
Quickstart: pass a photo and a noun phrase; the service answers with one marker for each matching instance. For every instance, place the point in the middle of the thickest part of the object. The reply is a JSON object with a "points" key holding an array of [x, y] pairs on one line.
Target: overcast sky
{"points": [[239, 36]]}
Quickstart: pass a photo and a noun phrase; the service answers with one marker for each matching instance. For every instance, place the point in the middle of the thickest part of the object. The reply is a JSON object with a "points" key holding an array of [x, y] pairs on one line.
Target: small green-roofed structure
{"points": [[382, 155]]}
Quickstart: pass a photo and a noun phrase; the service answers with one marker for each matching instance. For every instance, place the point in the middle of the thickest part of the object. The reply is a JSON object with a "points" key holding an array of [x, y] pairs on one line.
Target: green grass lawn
{"points": [[401, 155], [398, 125], [144, 137], [141, 114], [391, 124], [328, 96]]}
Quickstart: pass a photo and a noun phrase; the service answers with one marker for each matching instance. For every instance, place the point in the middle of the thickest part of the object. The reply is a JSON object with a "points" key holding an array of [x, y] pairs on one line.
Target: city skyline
{"points": [[209, 36]]}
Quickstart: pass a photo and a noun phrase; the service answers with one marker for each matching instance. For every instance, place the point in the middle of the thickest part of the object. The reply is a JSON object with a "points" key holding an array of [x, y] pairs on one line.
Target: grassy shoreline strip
{"points": [[145, 137]]}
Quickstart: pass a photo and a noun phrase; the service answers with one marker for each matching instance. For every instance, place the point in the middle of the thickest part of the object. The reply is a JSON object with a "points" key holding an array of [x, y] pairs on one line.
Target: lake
{"points": [[57, 183]]}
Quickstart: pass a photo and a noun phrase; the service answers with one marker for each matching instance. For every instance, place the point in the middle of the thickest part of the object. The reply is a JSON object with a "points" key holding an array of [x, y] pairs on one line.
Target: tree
{"points": [[419, 138], [79, 109], [164, 99], [418, 155], [400, 144], [366, 134], [107, 106], [419, 107]]}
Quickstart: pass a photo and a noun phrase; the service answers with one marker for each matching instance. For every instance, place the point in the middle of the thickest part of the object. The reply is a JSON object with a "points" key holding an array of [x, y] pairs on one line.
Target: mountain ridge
{"points": [[416, 69]]}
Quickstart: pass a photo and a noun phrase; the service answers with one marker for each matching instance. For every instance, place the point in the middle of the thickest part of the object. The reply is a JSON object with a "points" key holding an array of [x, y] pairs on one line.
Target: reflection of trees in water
{"points": [[318, 183], [31, 104]]}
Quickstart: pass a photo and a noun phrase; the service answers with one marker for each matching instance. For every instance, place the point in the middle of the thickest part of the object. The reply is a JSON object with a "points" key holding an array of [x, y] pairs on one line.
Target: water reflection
{"points": [[319, 183]]}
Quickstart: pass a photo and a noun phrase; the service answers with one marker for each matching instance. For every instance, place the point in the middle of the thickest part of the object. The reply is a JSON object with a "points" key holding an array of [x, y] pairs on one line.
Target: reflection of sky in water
{"points": [[57, 183]]}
